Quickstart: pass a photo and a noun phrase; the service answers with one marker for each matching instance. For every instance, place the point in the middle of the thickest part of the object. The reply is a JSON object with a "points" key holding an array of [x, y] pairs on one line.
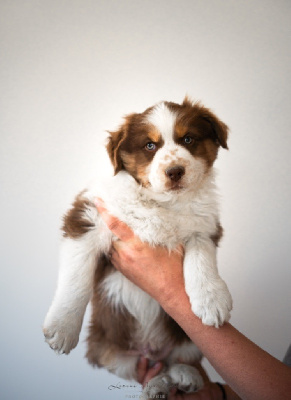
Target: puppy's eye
{"points": [[187, 139], [150, 146]]}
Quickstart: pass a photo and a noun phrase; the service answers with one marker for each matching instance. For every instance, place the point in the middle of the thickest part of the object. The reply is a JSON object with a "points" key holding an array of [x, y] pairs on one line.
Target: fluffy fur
{"points": [[164, 189]]}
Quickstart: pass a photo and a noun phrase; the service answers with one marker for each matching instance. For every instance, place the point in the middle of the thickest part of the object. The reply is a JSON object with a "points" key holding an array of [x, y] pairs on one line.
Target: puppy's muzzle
{"points": [[175, 173]]}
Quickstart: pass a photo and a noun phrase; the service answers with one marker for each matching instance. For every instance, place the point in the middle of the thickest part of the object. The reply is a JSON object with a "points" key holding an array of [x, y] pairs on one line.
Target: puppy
{"points": [[163, 188]]}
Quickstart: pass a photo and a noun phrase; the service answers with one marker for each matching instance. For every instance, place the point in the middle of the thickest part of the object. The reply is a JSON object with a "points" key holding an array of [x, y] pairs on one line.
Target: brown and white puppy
{"points": [[164, 189]]}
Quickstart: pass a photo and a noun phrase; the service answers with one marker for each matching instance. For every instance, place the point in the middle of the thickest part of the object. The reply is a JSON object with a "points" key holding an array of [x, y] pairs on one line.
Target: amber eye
{"points": [[150, 146], [187, 139]]}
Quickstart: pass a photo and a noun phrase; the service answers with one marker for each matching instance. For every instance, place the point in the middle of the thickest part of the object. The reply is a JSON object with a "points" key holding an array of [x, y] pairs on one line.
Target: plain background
{"points": [[70, 69]]}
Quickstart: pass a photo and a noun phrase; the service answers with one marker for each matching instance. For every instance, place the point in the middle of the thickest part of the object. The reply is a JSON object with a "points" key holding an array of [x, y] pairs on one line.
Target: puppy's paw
{"points": [[62, 334], [185, 378], [157, 388], [212, 303]]}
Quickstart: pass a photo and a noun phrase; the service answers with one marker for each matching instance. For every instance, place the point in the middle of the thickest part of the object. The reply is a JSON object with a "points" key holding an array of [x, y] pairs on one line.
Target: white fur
{"points": [[185, 218], [124, 366], [183, 377], [167, 219], [164, 120], [150, 333], [157, 385], [208, 293], [159, 216], [171, 154], [186, 353], [64, 319], [120, 291]]}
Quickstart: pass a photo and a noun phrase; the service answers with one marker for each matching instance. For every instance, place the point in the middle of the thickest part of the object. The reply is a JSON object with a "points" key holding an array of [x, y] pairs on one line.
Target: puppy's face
{"points": [[169, 147]]}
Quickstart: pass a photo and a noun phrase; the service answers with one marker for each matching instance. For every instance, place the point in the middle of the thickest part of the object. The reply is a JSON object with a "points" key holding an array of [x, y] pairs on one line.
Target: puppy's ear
{"points": [[112, 147], [115, 140], [219, 128]]}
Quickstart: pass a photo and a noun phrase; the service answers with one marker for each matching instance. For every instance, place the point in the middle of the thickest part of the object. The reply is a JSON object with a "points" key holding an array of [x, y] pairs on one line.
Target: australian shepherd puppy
{"points": [[164, 190]]}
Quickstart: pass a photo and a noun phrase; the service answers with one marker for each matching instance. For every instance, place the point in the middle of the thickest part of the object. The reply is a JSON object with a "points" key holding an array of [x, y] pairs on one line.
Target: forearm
{"points": [[250, 371]]}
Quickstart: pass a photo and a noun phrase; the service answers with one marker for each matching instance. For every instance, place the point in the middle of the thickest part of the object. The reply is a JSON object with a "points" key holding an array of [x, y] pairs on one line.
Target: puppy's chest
{"points": [[166, 226]]}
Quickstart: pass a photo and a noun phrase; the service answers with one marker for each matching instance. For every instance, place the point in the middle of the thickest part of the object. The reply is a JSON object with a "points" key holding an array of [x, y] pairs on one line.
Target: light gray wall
{"points": [[69, 71]]}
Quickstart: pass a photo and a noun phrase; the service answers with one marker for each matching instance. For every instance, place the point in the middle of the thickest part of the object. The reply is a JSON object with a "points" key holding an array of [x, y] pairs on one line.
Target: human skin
{"points": [[250, 371], [210, 390]]}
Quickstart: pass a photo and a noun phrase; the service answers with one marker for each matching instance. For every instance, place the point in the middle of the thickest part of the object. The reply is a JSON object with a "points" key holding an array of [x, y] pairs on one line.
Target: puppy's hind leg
{"points": [[85, 238], [185, 376]]}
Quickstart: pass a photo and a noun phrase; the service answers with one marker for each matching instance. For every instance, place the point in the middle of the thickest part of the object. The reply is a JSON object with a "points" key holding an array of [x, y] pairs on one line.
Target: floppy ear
{"points": [[219, 128], [115, 139], [112, 148]]}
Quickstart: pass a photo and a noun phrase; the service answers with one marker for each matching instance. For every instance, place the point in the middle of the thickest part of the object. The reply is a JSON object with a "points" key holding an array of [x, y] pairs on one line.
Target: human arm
{"points": [[249, 370]]}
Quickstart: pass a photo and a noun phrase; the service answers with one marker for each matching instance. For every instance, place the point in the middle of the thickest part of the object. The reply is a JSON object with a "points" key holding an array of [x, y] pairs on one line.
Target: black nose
{"points": [[175, 173]]}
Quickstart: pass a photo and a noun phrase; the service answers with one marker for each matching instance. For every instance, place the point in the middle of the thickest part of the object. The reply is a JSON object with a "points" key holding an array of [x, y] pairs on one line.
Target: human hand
{"points": [[146, 373], [156, 270], [210, 391]]}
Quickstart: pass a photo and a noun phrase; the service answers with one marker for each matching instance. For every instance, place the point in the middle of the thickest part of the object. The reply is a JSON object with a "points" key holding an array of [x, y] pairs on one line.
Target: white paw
{"points": [[185, 378], [62, 332], [157, 388], [212, 303]]}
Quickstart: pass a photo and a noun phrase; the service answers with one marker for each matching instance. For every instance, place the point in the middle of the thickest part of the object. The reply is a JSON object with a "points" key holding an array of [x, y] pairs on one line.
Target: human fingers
{"points": [[152, 372], [144, 373], [141, 369], [120, 254], [117, 227]]}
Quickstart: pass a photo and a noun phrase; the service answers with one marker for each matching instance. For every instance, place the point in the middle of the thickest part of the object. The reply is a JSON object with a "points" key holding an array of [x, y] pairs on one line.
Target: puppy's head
{"points": [[168, 147]]}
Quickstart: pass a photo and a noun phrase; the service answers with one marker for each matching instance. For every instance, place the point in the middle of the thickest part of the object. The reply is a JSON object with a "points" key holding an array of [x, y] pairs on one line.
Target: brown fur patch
{"points": [[136, 167], [126, 146], [132, 147], [181, 130], [76, 222], [154, 135], [206, 150], [205, 129], [114, 142], [199, 122], [218, 235], [113, 331]]}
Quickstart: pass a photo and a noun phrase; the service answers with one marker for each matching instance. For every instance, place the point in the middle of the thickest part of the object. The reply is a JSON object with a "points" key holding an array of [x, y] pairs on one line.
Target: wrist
{"points": [[176, 304]]}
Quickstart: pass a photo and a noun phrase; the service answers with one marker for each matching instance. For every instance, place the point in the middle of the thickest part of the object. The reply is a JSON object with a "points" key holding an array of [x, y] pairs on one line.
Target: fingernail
{"points": [[157, 365]]}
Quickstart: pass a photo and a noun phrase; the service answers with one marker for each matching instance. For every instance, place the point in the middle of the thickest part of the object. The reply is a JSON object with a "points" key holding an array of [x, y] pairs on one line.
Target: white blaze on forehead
{"points": [[171, 154], [164, 120]]}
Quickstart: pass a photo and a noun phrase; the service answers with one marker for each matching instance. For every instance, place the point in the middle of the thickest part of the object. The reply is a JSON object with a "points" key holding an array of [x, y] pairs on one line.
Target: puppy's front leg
{"points": [[209, 296]]}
